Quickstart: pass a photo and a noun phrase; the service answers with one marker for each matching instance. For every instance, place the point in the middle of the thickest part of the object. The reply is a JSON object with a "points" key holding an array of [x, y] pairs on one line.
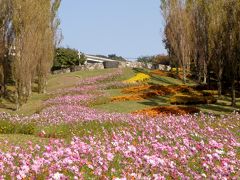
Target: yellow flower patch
{"points": [[140, 77]]}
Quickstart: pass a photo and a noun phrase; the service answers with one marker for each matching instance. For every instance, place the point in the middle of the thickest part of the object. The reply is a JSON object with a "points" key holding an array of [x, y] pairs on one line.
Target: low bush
{"points": [[7, 127], [27, 129], [67, 57], [184, 99], [57, 131], [209, 92]]}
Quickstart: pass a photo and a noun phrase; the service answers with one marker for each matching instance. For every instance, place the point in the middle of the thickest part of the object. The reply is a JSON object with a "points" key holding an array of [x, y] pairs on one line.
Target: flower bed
{"points": [[161, 147], [188, 95], [140, 77], [186, 147], [168, 110], [184, 99]]}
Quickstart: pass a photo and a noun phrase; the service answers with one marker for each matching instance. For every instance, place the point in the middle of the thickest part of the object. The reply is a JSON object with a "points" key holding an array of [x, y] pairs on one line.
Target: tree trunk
{"points": [[177, 70], [17, 100], [29, 88], [220, 72], [41, 85], [219, 88], [233, 95], [184, 75], [205, 71], [199, 78], [208, 78]]}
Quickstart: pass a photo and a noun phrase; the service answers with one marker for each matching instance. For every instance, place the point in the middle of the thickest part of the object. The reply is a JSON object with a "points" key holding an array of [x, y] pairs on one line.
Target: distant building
{"points": [[95, 59]]}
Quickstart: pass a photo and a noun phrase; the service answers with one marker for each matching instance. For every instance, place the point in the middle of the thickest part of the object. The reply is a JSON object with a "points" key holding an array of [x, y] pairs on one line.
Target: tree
{"points": [[115, 57], [178, 22], [206, 33], [199, 10], [5, 43], [34, 27], [232, 26], [66, 57]]}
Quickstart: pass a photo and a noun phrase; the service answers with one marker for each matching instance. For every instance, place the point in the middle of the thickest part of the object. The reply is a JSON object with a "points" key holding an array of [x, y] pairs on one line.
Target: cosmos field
{"points": [[81, 142]]}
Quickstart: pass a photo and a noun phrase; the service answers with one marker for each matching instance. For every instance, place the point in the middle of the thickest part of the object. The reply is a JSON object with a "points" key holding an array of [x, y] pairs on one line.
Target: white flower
{"points": [[220, 151], [57, 176]]}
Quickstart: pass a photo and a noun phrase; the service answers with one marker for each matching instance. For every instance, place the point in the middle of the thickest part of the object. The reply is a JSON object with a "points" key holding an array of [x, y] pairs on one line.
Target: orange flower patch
{"points": [[157, 89], [136, 89], [181, 89], [166, 110], [159, 73], [134, 97], [181, 94]]}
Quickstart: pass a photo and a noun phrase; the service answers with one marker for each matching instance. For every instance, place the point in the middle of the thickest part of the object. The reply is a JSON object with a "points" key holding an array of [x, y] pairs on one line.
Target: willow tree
{"points": [[178, 31], [218, 39], [5, 43], [200, 32], [50, 39], [34, 40], [232, 26], [224, 38]]}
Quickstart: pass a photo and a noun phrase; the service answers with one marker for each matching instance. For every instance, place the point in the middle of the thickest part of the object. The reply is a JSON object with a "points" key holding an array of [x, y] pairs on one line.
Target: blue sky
{"points": [[130, 28]]}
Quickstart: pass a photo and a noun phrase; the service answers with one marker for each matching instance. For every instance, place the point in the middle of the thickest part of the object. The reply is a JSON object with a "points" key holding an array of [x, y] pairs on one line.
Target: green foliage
{"points": [[7, 127], [27, 129], [115, 57], [78, 129], [66, 57], [146, 59], [209, 92], [158, 59], [184, 99], [162, 59]]}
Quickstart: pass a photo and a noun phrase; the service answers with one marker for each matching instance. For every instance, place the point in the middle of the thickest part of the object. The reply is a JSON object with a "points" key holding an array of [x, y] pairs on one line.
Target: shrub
{"points": [[183, 99], [7, 127], [27, 129], [162, 59], [66, 57], [209, 92], [57, 131]]}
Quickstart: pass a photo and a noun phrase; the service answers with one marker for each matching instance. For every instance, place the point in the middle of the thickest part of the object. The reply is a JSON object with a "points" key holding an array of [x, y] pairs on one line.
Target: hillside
{"points": [[115, 123]]}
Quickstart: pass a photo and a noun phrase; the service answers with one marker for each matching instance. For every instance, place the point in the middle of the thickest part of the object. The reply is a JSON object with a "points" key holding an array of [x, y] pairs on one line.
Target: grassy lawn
{"points": [[20, 140], [68, 80], [222, 106], [55, 82], [131, 106], [59, 81]]}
